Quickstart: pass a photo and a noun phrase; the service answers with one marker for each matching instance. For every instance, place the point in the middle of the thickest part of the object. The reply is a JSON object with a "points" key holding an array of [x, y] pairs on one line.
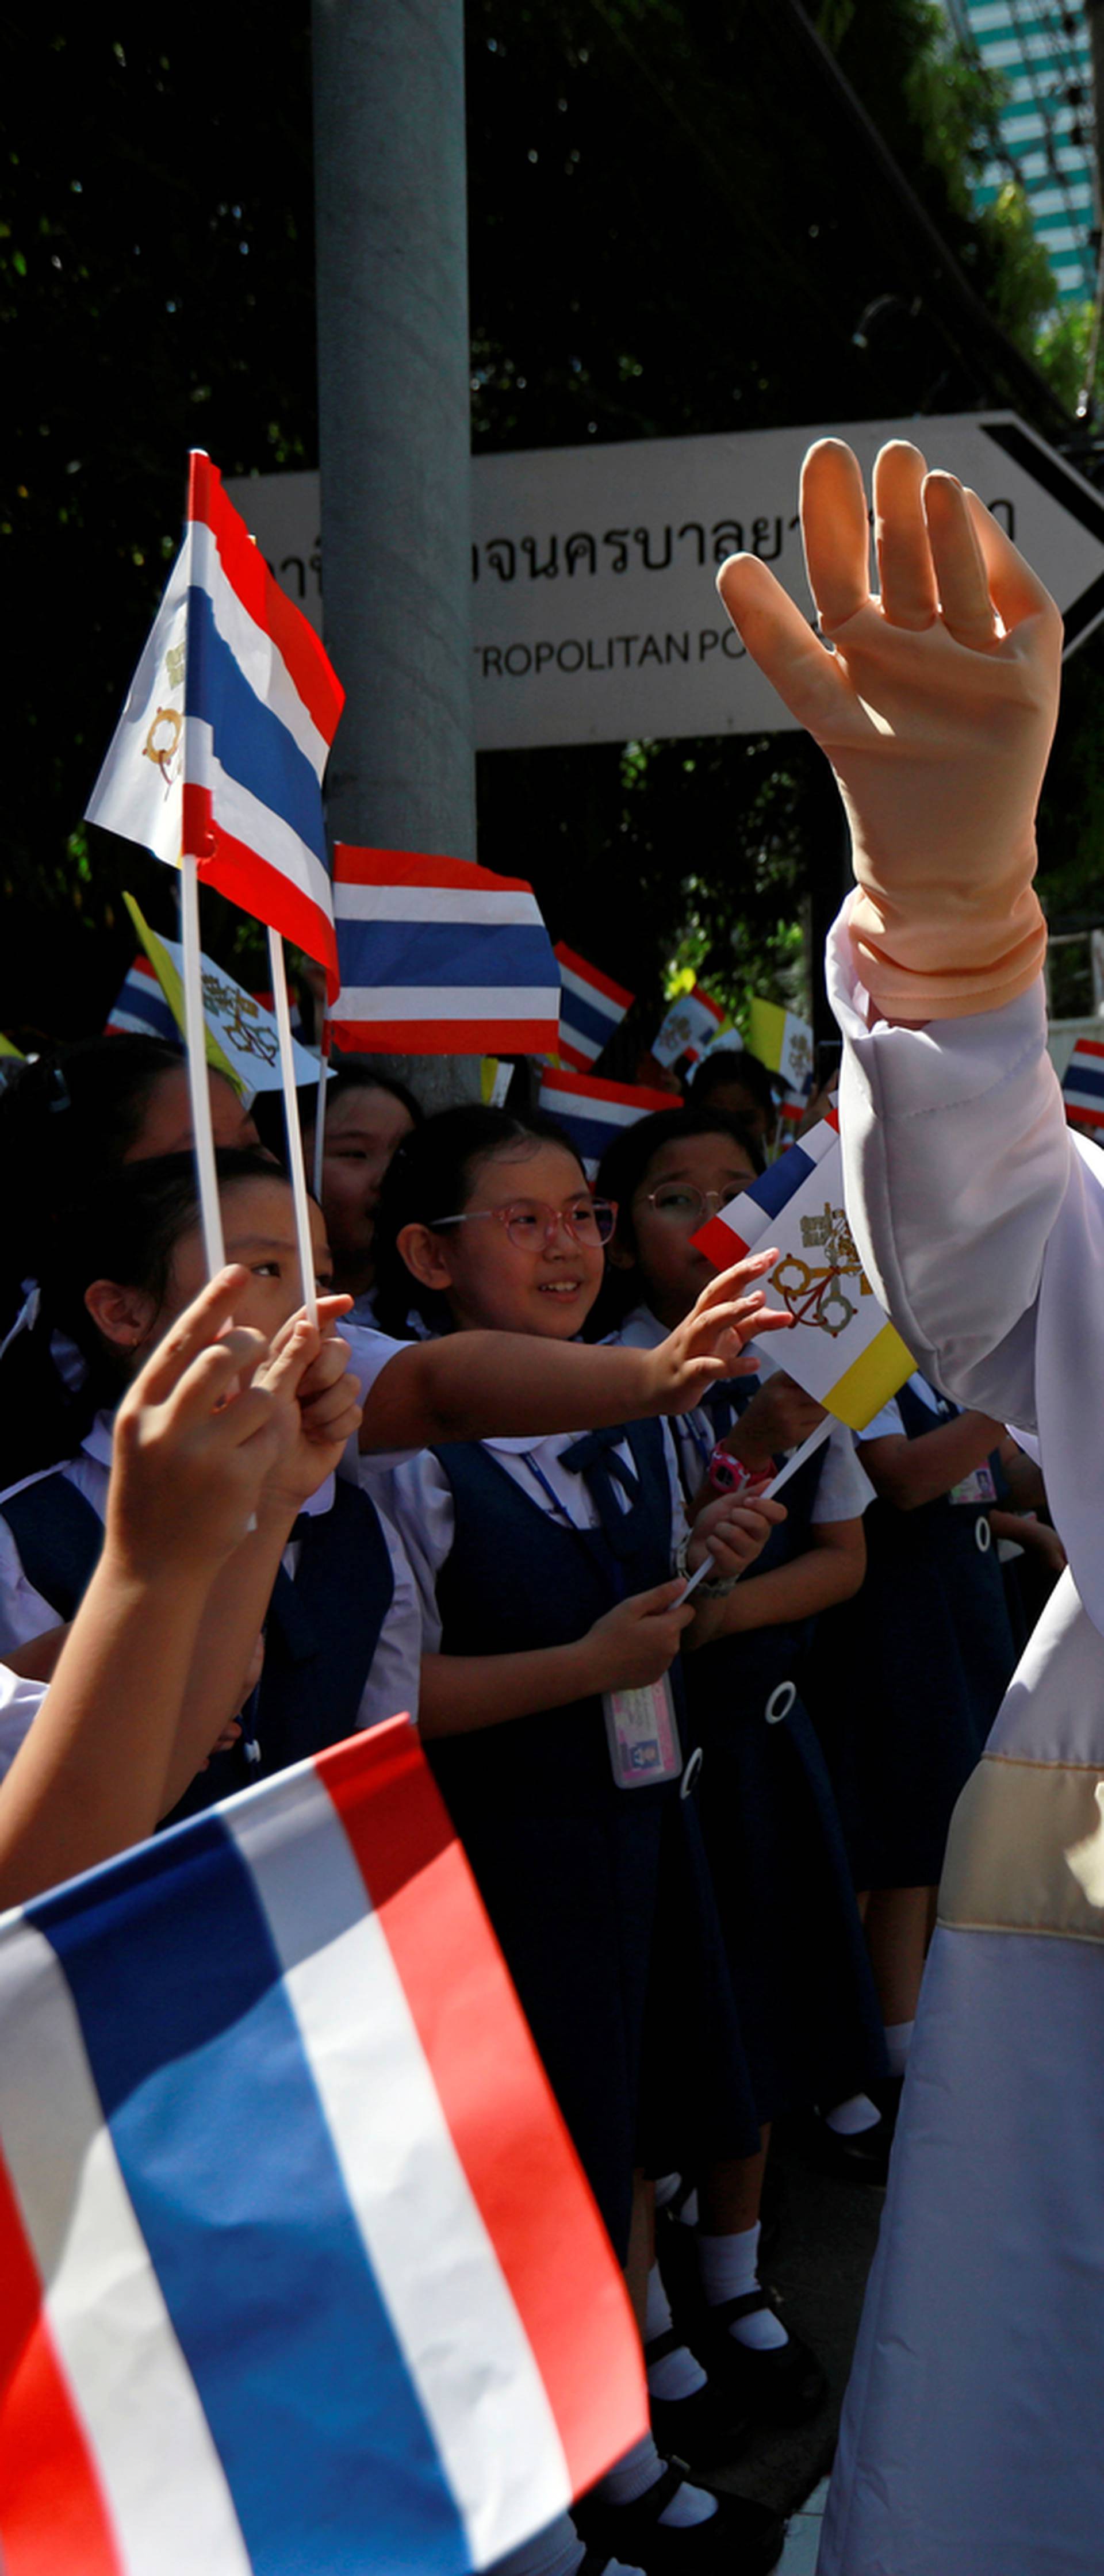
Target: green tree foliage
{"points": [[156, 288]]}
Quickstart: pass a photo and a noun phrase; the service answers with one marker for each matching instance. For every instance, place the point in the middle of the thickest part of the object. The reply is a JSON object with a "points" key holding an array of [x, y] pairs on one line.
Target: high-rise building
{"points": [[1041, 50]]}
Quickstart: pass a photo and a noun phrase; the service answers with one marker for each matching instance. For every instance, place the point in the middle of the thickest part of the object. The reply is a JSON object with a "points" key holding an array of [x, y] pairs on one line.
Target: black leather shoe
{"points": [[863, 2158], [783, 2385], [740, 2539], [708, 2426]]}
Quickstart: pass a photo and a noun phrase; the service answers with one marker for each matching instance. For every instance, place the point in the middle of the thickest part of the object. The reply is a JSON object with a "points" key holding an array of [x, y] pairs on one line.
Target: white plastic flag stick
{"points": [[199, 1084], [291, 1121], [320, 1121], [769, 1491]]}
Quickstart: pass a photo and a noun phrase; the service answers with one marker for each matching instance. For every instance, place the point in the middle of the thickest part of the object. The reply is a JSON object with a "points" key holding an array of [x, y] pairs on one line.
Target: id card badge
{"points": [[642, 1734], [976, 1488]]}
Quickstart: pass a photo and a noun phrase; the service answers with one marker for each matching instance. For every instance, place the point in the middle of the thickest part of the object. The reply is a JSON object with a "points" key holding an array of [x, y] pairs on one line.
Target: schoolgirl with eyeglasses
{"points": [[551, 1571], [793, 1934]]}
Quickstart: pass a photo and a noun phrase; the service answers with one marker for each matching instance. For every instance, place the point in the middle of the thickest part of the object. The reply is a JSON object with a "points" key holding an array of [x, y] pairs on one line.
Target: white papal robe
{"points": [[972, 2441]]}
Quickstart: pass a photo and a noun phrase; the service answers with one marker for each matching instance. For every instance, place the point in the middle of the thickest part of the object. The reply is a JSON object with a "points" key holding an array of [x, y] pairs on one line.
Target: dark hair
{"points": [[267, 1109], [357, 1073], [620, 1173], [128, 1229], [720, 1067], [430, 1175], [71, 1112]]}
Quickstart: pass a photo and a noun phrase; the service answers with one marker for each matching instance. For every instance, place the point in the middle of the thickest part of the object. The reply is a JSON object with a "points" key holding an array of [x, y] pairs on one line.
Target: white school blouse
{"points": [[419, 1498], [393, 1682]]}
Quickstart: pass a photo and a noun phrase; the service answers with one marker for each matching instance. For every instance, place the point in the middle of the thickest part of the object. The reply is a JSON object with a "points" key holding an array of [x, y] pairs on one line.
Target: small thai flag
{"points": [[844, 1350], [221, 746], [141, 1006], [1083, 1084], [300, 2272], [593, 1112], [592, 1006], [440, 958]]}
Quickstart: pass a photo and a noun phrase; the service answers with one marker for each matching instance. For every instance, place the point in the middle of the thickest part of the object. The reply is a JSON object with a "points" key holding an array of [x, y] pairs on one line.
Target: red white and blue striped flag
{"points": [[440, 958], [140, 1007], [1083, 1084], [299, 2269], [592, 1006], [593, 1112], [221, 746]]}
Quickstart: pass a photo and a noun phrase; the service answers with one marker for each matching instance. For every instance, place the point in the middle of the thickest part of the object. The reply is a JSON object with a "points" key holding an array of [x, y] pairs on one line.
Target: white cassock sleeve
{"points": [[980, 1219]]}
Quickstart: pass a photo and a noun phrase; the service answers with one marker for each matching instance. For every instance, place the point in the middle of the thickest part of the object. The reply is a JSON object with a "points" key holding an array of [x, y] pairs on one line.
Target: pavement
{"points": [[827, 2234]]}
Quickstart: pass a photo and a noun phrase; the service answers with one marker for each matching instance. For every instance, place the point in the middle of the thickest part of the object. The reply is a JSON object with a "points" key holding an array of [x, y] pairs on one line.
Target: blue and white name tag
{"points": [[642, 1734]]}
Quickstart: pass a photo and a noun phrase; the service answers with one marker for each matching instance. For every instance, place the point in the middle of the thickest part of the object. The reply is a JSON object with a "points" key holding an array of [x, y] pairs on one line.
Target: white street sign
{"points": [[594, 613]]}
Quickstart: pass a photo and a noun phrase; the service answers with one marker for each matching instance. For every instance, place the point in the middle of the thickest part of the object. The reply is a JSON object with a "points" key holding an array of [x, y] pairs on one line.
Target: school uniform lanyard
{"points": [[594, 1540]]}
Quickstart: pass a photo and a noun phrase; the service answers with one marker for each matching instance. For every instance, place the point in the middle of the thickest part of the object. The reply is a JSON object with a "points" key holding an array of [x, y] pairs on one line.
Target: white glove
{"points": [[936, 708]]}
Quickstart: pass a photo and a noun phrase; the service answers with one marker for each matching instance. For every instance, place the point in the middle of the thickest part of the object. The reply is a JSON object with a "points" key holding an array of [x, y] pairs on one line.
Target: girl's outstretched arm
{"points": [[478, 1386]]}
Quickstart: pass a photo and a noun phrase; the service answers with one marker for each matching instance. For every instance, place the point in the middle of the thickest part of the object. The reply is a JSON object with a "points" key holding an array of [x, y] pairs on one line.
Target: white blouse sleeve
{"points": [[393, 1684], [419, 1502], [20, 1701], [23, 1612], [370, 1353], [844, 1491]]}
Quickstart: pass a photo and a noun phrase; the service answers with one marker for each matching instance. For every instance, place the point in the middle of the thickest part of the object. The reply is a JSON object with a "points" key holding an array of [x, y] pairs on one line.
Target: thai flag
{"points": [[592, 1113], [843, 1350], [141, 1006], [300, 2272], [592, 1006], [440, 958], [1083, 1084], [224, 737]]}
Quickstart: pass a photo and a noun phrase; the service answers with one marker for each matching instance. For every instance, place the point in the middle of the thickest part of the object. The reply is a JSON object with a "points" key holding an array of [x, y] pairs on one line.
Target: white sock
{"points": [[677, 2374], [728, 2267], [849, 2119], [898, 2040], [638, 2470], [667, 2187]]}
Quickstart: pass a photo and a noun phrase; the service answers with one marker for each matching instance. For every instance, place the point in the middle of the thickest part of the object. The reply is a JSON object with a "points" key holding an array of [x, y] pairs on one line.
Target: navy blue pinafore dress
{"points": [[600, 1896], [910, 1675], [796, 1949], [321, 1630]]}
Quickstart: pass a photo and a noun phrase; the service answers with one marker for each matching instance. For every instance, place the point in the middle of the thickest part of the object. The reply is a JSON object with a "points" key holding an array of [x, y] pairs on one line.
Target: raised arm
{"points": [[935, 703]]}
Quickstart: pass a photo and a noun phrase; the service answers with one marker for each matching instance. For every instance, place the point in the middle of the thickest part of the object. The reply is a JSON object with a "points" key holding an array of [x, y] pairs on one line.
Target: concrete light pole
{"points": [[394, 435]]}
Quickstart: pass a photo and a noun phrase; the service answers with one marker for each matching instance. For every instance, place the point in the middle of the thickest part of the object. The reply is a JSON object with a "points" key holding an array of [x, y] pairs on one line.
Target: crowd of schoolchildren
{"points": [[707, 1831]]}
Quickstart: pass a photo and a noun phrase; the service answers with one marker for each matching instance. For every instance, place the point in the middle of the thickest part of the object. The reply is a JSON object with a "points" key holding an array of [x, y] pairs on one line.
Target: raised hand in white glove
{"points": [[936, 707]]}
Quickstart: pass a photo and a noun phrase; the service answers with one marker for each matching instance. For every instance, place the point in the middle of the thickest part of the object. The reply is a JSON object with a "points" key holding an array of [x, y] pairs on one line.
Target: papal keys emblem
{"points": [[812, 1290]]}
